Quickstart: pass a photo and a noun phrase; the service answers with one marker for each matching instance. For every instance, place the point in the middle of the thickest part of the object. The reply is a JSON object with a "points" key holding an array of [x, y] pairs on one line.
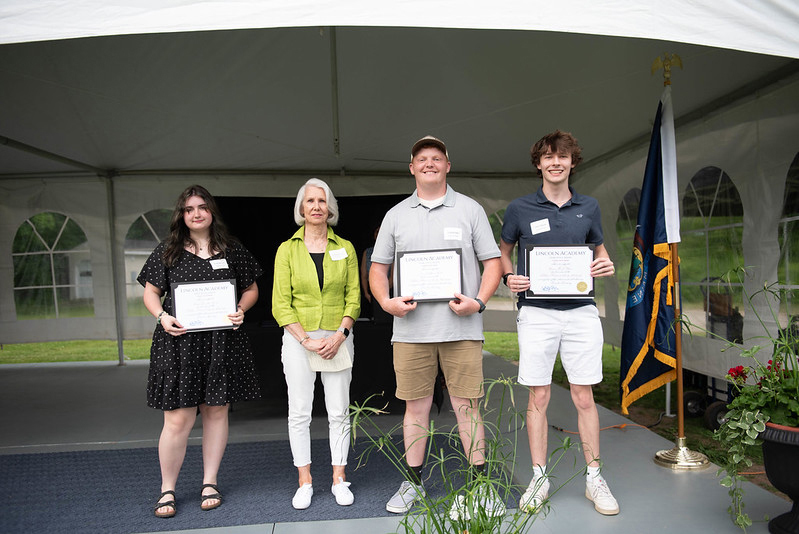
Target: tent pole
{"points": [[334, 91], [50, 155], [109, 183]]}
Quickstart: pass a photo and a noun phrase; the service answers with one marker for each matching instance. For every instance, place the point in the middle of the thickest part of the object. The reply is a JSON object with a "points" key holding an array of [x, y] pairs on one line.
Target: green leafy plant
{"points": [[763, 392], [462, 506]]}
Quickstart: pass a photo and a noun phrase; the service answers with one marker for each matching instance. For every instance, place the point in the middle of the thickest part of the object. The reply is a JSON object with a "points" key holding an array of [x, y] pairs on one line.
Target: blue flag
{"points": [[648, 345]]}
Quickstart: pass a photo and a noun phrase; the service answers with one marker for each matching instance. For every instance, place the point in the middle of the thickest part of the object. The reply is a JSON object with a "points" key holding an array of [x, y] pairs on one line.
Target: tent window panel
{"points": [[788, 269], [35, 303], [697, 326], [72, 238], [710, 252], [32, 270], [789, 253], [726, 251], [142, 237], [27, 240], [70, 304], [712, 196], [48, 225], [52, 269]]}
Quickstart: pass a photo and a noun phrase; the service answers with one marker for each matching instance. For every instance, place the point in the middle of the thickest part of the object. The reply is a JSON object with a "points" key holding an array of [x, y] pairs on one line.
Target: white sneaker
{"points": [[488, 500], [535, 495], [406, 496], [341, 490], [597, 490], [302, 497], [485, 503]]}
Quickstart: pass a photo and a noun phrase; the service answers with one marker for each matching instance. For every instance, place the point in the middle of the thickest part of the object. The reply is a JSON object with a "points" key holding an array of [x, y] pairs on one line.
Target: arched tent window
{"points": [[712, 231], [626, 222], [52, 269], [143, 236], [788, 270]]}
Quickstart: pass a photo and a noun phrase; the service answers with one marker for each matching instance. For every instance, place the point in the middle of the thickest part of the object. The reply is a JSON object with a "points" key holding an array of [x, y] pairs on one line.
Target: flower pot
{"points": [[781, 460]]}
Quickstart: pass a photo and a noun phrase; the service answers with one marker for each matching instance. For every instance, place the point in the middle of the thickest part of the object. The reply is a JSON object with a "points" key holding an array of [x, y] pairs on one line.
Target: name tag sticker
{"points": [[338, 254], [219, 264], [453, 234], [539, 226]]}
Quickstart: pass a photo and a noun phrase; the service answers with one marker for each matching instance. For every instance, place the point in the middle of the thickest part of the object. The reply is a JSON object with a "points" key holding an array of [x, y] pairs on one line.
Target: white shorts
{"points": [[576, 334]]}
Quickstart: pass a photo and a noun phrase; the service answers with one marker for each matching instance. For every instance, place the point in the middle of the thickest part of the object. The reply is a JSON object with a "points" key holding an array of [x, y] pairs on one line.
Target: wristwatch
{"points": [[482, 305], [505, 278], [345, 331]]}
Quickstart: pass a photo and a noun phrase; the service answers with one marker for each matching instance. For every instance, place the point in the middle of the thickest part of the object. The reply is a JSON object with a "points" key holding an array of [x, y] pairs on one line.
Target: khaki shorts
{"points": [[416, 367]]}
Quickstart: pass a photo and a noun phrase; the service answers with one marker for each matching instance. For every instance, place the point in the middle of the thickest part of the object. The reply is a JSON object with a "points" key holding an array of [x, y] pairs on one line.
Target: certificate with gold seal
{"points": [[204, 305], [429, 275], [559, 271]]}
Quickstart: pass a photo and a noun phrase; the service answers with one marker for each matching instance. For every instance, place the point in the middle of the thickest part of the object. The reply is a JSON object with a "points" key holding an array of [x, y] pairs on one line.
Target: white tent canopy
{"points": [[109, 110], [762, 26]]}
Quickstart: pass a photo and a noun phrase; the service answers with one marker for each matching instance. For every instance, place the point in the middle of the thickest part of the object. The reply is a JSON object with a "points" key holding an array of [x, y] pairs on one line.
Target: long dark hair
{"points": [[179, 235]]}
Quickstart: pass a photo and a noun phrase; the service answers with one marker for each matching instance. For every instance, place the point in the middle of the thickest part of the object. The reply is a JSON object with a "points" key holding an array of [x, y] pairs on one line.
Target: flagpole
{"points": [[679, 457]]}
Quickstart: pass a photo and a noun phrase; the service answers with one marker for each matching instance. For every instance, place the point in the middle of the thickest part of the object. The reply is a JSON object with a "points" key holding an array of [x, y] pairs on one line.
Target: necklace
{"points": [[196, 246]]}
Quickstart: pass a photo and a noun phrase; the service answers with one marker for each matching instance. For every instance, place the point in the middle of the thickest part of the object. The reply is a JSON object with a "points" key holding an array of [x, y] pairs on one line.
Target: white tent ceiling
{"points": [[302, 97]]}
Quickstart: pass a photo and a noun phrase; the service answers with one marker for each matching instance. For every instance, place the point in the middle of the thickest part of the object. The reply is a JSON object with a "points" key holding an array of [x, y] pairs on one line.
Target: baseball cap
{"points": [[429, 140]]}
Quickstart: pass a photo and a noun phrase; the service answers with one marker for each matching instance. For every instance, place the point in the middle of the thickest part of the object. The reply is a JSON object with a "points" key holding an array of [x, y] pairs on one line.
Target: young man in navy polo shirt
{"points": [[557, 215]]}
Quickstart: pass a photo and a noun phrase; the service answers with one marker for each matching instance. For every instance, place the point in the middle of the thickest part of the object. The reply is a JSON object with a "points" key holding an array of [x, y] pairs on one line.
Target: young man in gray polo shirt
{"points": [[557, 215], [427, 334]]}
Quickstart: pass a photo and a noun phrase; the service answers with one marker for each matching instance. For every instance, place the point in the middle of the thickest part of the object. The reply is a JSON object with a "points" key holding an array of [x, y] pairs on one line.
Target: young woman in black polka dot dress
{"points": [[209, 369]]}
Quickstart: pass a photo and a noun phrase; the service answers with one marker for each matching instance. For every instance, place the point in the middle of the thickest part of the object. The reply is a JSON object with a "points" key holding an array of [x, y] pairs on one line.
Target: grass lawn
{"points": [[74, 351]]}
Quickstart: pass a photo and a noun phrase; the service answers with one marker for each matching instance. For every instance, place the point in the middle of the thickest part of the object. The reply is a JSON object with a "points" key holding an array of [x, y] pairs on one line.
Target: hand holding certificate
{"points": [[429, 275], [204, 305], [560, 272]]}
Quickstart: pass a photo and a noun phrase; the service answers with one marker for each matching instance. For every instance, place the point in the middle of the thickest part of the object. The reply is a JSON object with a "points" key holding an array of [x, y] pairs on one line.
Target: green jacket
{"points": [[296, 297]]}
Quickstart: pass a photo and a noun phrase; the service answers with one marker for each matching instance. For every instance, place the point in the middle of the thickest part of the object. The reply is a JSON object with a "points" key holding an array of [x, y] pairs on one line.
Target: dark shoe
{"points": [[169, 504], [211, 497]]}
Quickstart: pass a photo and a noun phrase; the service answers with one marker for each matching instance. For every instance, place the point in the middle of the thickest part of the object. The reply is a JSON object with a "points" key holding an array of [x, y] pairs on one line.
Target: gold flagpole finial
{"points": [[666, 63]]}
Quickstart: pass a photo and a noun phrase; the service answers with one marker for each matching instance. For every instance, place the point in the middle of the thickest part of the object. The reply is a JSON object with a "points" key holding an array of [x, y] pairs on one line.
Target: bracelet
{"points": [[303, 340], [505, 278], [158, 319]]}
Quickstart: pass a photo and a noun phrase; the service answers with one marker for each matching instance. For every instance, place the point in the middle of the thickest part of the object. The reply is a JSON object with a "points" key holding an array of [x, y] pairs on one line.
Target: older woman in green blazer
{"points": [[316, 299]]}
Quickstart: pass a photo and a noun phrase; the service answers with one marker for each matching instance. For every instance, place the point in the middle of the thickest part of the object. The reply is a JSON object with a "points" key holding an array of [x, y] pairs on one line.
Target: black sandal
{"points": [[211, 497], [171, 504]]}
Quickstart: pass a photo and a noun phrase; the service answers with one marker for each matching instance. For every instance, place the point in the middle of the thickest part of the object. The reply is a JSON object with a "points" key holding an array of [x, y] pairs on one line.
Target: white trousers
{"points": [[300, 380]]}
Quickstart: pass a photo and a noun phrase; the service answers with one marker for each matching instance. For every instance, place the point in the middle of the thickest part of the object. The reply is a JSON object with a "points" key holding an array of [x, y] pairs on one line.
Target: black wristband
{"points": [[482, 305], [345, 331], [505, 278]]}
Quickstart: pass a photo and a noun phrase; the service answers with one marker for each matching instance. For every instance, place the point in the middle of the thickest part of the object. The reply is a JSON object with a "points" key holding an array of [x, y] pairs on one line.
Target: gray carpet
{"points": [[113, 491]]}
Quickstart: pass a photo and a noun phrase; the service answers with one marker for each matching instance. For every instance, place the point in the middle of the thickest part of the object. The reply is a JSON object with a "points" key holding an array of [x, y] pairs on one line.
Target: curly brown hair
{"points": [[179, 235], [559, 143]]}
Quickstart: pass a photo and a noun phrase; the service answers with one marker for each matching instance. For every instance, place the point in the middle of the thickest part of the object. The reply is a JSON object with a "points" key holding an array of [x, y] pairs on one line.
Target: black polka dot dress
{"points": [[212, 367]]}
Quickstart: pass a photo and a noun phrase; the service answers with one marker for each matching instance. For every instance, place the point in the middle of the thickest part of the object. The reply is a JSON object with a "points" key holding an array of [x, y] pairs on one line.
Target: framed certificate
{"points": [[429, 275], [559, 271], [204, 305]]}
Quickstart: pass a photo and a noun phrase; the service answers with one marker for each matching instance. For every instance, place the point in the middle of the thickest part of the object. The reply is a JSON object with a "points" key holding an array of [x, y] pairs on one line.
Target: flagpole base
{"points": [[681, 457]]}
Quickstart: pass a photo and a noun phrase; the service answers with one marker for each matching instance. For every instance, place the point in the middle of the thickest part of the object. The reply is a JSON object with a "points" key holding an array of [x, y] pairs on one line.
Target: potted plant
{"points": [[765, 409], [458, 504]]}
